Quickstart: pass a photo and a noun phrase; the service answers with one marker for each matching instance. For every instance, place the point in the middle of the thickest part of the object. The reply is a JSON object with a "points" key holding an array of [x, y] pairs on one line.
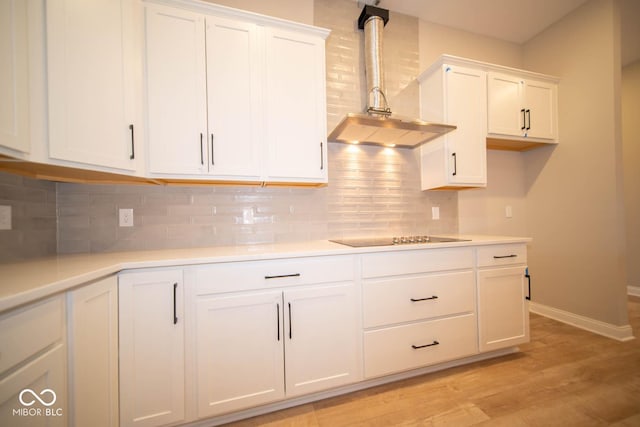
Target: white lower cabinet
{"points": [[44, 376], [33, 365], [93, 354], [418, 319], [503, 307], [321, 332], [285, 334], [414, 345], [152, 388], [239, 351]]}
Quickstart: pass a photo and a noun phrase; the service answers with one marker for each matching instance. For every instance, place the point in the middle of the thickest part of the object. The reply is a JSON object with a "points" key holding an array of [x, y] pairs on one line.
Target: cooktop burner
{"points": [[391, 241]]}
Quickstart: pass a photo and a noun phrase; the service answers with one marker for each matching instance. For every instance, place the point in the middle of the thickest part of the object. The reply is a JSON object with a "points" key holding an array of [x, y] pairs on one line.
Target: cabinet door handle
{"points": [[321, 156], [524, 120], [528, 276], [281, 276], [455, 164], [175, 313], [528, 119], [290, 332], [278, 315], [416, 347], [133, 144], [213, 162], [201, 151], [504, 256], [424, 299]]}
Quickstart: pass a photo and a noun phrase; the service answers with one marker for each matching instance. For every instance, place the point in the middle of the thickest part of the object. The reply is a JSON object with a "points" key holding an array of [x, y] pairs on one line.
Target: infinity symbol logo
{"points": [[37, 397]]}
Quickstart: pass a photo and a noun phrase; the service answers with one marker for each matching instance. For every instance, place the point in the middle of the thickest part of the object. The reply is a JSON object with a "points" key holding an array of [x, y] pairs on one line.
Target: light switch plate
{"points": [[5, 217], [508, 211]]}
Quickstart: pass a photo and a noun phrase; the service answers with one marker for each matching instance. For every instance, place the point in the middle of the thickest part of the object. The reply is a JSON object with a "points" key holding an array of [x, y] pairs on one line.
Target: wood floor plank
{"points": [[564, 377]]}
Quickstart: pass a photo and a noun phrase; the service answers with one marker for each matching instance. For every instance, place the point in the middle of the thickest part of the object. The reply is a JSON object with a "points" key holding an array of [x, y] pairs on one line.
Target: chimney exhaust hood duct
{"points": [[378, 126]]}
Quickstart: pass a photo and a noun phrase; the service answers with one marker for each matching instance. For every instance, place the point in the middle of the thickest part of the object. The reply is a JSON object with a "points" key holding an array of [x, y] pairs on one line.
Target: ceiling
{"points": [[515, 21], [512, 20]]}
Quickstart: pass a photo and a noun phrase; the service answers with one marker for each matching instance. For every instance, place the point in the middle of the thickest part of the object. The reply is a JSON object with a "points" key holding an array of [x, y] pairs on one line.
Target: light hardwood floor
{"points": [[564, 377]]}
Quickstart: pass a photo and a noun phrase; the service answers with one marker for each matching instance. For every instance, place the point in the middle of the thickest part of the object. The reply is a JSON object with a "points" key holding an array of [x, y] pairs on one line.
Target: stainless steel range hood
{"points": [[377, 125]]}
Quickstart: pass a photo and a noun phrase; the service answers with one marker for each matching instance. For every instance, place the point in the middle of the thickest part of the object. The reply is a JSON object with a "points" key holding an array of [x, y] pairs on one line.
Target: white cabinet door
{"points": [[506, 111], [295, 107], [91, 70], [176, 90], [521, 107], [541, 105], [234, 73], [14, 90], [466, 103], [46, 372], [152, 384], [456, 95], [93, 354], [503, 311], [321, 338], [239, 351]]}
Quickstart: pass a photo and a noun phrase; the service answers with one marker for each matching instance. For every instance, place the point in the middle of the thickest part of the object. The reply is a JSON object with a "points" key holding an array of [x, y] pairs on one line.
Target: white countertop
{"points": [[27, 281]]}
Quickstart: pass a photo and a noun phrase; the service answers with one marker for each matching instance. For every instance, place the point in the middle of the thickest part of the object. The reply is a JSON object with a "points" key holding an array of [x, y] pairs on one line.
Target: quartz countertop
{"points": [[27, 281]]}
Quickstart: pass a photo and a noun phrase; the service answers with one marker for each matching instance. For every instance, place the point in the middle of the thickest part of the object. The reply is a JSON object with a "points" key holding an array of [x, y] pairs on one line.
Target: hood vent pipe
{"points": [[377, 126]]}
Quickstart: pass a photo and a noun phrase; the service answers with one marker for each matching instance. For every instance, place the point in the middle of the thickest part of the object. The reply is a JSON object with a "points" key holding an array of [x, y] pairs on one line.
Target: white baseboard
{"points": [[633, 291], [620, 333]]}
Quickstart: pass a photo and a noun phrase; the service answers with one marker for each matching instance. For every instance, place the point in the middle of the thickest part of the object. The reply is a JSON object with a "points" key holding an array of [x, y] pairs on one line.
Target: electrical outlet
{"points": [[5, 217], [126, 217], [435, 212]]}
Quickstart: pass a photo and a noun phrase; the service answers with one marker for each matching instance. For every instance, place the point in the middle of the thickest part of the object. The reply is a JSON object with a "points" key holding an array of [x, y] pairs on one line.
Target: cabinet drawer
{"points": [[413, 298], [239, 276], [393, 349], [27, 330], [497, 255], [418, 261]]}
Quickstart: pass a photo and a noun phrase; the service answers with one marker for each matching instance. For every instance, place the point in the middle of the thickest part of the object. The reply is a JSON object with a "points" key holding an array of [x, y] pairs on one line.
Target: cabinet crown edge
{"points": [[230, 12], [446, 59]]}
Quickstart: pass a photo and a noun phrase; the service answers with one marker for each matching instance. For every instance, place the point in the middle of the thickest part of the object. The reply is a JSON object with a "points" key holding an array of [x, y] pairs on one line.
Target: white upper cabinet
{"points": [[232, 96], [233, 84], [295, 107], [14, 90], [455, 95], [521, 107], [91, 82], [176, 90], [203, 95]]}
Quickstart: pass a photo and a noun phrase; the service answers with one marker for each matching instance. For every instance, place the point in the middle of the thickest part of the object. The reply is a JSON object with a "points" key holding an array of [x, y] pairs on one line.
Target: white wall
{"points": [[631, 151], [574, 199], [437, 39]]}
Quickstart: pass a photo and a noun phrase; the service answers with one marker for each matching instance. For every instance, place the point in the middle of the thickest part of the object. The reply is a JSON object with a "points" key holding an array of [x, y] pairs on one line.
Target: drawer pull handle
{"points": [[505, 256], [416, 347], [424, 299], [282, 276], [278, 315], [290, 331], [175, 313]]}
